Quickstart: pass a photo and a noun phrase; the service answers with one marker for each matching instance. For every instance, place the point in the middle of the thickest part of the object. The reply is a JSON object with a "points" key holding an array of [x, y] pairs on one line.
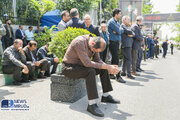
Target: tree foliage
{"points": [[42, 7], [82, 5], [147, 7]]}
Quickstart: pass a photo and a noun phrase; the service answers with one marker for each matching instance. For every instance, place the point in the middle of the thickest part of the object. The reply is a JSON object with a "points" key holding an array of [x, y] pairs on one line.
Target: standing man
{"points": [[156, 47], [115, 32], [65, 18], [172, 47], [13, 62], [140, 54], [29, 34], [77, 63], [52, 59], [91, 28], [127, 42], [9, 37], [75, 22], [20, 35], [165, 48], [31, 58], [138, 38], [105, 35]]}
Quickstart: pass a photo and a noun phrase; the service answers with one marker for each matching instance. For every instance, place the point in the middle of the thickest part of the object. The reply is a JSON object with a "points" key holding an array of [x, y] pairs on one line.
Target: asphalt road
{"points": [[155, 95]]}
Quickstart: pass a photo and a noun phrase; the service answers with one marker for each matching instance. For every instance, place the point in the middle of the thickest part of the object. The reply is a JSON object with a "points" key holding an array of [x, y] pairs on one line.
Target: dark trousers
{"points": [[144, 55], [127, 60], [171, 51], [31, 67], [103, 54], [54, 64], [156, 51], [114, 49], [78, 71], [164, 53], [134, 59], [16, 71], [8, 42], [140, 53]]}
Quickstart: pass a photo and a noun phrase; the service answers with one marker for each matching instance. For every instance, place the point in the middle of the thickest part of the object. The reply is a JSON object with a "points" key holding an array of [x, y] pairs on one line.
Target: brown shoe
{"points": [[135, 74]]}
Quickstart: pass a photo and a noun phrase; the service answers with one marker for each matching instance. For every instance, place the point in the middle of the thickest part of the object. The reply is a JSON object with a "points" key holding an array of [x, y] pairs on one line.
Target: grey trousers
{"points": [[127, 60], [134, 59]]}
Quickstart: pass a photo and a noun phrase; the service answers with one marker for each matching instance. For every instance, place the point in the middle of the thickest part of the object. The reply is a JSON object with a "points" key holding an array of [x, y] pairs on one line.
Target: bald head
{"points": [[97, 44]]}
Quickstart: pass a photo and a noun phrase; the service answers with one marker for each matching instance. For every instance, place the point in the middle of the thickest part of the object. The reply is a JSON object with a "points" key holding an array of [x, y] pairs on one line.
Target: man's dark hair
{"points": [[20, 25], [116, 11], [30, 27], [104, 21], [64, 13], [73, 12], [6, 20], [98, 43]]}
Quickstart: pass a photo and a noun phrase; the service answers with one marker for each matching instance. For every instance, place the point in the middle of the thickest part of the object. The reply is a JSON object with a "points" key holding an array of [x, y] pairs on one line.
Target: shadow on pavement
{"points": [[133, 83], [4, 93]]}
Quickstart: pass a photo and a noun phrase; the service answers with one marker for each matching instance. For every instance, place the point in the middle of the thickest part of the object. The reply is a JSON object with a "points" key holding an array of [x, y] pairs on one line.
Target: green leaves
{"points": [[61, 40]]}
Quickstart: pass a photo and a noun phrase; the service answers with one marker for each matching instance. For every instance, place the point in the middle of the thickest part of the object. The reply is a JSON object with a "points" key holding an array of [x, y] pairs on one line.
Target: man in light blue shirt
{"points": [[29, 34], [114, 38]]}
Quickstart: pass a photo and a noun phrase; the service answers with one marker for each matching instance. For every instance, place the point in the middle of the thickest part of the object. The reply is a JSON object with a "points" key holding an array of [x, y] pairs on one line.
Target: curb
{"points": [[2, 80]]}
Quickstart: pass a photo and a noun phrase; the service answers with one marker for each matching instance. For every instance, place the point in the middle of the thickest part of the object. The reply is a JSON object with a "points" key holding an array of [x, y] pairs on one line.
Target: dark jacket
{"points": [[126, 40], [93, 29], [19, 34], [28, 54], [7, 36], [165, 46], [76, 22], [43, 54], [138, 36], [103, 35]]}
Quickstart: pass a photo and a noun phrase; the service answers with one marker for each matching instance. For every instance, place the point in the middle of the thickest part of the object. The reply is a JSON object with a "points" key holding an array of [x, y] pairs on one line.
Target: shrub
{"points": [[61, 40], [44, 37]]}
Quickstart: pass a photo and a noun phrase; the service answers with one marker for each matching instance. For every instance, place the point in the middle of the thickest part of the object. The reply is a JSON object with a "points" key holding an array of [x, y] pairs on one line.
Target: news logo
{"points": [[17, 104]]}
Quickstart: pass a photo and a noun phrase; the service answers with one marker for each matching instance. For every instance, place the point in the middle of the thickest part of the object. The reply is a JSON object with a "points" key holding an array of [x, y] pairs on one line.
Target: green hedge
{"points": [[61, 40]]}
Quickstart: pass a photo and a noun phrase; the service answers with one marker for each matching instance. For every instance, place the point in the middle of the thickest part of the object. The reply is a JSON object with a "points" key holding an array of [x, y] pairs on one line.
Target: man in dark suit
{"points": [[52, 59], [165, 48], [9, 37], [91, 28], [127, 42], [136, 43], [20, 35], [75, 22], [31, 58]]}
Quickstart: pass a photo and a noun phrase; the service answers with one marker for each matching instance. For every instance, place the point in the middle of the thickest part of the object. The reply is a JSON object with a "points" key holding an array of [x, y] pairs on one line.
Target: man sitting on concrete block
{"points": [[13, 62], [52, 59], [82, 61]]}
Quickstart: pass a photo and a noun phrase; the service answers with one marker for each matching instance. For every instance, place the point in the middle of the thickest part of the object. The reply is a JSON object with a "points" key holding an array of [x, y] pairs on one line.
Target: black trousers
{"points": [[8, 42], [78, 71], [164, 52], [54, 64], [171, 51], [114, 49], [16, 71], [127, 60], [103, 54]]}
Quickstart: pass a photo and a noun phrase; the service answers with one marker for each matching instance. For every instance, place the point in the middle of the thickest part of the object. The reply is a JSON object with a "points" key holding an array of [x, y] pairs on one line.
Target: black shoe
{"points": [[33, 78], [123, 74], [112, 76], [130, 77], [47, 75], [141, 69], [138, 70], [109, 99], [25, 81], [119, 79], [41, 75], [16, 83], [94, 109]]}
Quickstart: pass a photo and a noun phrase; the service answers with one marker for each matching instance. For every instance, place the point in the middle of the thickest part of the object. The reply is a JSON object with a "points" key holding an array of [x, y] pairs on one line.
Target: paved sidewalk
{"points": [[155, 95]]}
